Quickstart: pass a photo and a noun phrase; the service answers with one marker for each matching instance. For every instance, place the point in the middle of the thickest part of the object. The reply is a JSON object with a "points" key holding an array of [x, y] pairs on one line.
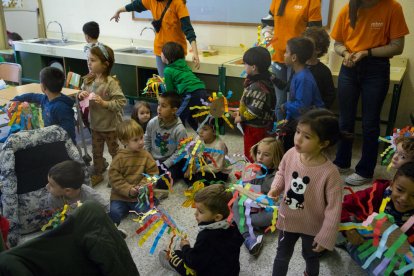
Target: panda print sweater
{"points": [[312, 198]]}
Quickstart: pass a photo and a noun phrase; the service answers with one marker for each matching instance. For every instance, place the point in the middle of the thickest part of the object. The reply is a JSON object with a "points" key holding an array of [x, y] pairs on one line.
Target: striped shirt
{"points": [[321, 198]]}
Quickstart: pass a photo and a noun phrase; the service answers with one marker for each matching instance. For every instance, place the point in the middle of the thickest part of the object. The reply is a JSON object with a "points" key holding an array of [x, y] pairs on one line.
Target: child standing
{"points": [[256, 111], [57, 108], [221, 173], [312, 192], [141, 114], [217, 247], [127, 169], [65, 186], [180, 78], [164, 132], [106, 106], [401, 207], [304, 93], [321, 73], [91, 33], [269, 153]]}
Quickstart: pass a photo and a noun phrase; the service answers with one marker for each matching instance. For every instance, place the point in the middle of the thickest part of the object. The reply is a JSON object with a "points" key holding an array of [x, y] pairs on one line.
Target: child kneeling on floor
{"points": [[126, 173], [217, 247]]}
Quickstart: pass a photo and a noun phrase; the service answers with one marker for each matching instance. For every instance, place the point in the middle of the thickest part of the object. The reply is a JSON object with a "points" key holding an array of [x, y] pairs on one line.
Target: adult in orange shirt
{"points": [[176, 26], [367, 34], [290, 19]]}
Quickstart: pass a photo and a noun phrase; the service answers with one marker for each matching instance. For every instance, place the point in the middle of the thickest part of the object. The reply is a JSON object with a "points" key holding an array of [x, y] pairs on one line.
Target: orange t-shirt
{"points": [[171, 25], [375, 26], [292, 23]]}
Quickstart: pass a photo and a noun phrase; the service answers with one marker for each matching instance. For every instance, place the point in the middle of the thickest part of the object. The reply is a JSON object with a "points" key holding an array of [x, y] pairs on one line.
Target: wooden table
{"points": [[11, 92]]}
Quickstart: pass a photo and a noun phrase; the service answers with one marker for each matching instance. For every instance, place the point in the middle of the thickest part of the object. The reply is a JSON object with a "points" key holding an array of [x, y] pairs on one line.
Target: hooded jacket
{"points": [[180, 78], [58, 111]]}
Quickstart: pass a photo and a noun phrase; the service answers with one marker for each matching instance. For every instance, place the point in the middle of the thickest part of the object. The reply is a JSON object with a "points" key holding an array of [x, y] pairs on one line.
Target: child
{"points": [[65, 186], [401, 206], [404, 152], [141, 114], [91, 32], [163, 134], [268, 152], [304, 93], [321, 73], [127, 169], [217, 247], [180, 78], [256, 111], [106, 106], [312, 192], [221, 173], [57, 108]]}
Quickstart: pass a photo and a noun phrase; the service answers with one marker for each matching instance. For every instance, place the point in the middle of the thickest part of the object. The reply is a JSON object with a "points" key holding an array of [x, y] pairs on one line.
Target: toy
{"points": [[154, 86], [387, 154]]}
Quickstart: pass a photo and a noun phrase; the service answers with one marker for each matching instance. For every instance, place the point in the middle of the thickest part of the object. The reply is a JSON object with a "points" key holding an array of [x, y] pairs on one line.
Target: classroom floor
{"points": [[334, 263]]}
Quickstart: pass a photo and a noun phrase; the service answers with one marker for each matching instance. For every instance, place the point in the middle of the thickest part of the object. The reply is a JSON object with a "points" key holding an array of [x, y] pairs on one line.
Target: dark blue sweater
{"points": [[59, 111]]}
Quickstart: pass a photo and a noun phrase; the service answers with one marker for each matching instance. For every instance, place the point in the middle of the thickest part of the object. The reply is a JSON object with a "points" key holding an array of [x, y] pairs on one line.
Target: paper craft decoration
{"points": [[263, 42], [190, 194], [217, 108], [25, 115], [384, 239], [59, 216], [386, 155], [196, 153], [154, 87], [84, 104]]}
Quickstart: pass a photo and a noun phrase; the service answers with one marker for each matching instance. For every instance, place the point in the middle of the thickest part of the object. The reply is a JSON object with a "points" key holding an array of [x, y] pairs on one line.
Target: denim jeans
{"points": [[160, 66], [191, 99], [119, 209], [370, 79], [285, 247], [282, 72]]}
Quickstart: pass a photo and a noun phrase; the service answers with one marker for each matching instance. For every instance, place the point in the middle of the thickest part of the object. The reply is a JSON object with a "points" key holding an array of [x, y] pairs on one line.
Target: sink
{"points": [[237, 61], [56, 42], [136, 51]]}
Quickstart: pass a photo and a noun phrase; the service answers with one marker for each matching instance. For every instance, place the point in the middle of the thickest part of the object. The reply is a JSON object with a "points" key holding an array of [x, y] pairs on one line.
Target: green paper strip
{"points": [[365, 245], [397, 244], [402, 263], [390, 267], [241, 213], [366, 253]]}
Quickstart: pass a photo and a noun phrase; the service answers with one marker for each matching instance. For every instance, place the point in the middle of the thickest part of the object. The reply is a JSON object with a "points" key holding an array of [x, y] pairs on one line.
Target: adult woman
{"points": [[175, 24], [290, 19], [366, 33]]}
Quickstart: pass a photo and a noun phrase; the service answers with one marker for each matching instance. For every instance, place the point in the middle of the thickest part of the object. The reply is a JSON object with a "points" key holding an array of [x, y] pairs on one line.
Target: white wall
{"points": [[23, 20], [73, 14]]}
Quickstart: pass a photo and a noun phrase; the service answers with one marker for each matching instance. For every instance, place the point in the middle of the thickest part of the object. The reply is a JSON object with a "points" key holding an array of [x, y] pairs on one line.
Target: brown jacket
{"points": [[127, 170]]}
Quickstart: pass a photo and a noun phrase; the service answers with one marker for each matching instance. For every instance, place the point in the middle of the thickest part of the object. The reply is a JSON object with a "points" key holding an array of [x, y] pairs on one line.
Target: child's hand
{"points": [[82, 95], [272, 194], [133, 192], [100, 101], [184, 242], [317, 247], [354, 237], [237, 119]]}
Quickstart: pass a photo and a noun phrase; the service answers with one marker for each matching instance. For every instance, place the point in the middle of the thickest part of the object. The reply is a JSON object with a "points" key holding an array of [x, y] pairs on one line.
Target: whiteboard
{"points": [[243, 12]]}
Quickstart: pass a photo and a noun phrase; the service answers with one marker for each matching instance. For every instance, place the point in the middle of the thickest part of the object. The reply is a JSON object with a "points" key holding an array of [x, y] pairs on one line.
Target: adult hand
{"points": [[348, 62], [82, 95], [317, 247], [354, 237], [196, 61], [359, 55], [117, 14]]}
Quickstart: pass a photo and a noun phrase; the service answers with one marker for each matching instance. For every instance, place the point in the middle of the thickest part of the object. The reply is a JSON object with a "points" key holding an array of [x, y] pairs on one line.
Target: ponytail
{"points": [[354, 6]]}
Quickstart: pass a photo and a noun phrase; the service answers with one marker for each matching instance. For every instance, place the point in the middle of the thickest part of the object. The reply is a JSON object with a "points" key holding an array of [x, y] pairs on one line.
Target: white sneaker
{"points": [[343, 170], [357, 180]]}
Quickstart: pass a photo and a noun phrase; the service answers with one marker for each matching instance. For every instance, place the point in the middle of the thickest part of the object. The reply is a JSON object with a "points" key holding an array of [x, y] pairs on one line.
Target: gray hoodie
{"points": [[162, 141]]}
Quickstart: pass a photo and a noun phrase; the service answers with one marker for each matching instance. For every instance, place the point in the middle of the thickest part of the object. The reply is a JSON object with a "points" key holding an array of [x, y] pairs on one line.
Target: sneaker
{"points": [[254, 246], [161, 194], [343, 170], [162, 257], [357, 180], [123, 233], [96, 179]]}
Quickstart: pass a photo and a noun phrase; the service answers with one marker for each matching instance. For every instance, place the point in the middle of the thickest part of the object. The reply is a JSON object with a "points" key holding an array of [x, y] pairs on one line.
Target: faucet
{"points": [[61, 29], [146, 28]]}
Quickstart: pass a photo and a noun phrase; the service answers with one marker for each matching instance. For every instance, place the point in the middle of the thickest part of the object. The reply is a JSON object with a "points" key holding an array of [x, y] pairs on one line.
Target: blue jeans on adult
{"points": [[160, 66], [119, 209], [370, 79], [282, 72]]}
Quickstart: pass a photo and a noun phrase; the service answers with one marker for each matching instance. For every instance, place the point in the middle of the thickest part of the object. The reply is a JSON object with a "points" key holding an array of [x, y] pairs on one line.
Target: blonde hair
{"points": [[137, 106], [276, 148], [107, 60], [128, 129]]}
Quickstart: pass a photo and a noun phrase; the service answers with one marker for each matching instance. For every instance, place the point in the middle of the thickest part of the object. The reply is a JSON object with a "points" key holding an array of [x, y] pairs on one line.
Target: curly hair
{"points": [[407, 144], [320, 38]]}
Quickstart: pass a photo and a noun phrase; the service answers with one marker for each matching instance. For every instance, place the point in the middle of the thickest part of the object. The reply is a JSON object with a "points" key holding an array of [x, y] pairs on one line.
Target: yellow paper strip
{"points": [[150, 231]]}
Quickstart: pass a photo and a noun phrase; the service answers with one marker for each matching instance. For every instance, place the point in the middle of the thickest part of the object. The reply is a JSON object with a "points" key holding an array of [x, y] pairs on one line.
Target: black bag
{"points": [[157, 23]]}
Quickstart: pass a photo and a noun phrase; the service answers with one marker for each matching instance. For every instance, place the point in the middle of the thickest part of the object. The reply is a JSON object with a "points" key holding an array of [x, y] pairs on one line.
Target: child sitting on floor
{"points": [[141, 114], [164, 133], [180, 78], [126, 173], [269, 153], [404, 152], [217, 171], [57, 108], [65, 186], [217, 247], [401, 207]]}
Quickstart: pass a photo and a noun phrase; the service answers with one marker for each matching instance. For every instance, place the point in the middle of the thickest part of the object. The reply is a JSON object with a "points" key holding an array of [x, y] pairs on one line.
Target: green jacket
{"points": [[180, 78]]}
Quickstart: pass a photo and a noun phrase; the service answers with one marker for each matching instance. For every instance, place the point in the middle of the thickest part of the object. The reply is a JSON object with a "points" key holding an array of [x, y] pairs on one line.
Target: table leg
{"points": [[392, 116]]}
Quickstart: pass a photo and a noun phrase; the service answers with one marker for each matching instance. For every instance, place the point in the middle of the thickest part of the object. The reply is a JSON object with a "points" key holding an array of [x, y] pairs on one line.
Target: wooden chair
{"points": [[11, 72]]}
